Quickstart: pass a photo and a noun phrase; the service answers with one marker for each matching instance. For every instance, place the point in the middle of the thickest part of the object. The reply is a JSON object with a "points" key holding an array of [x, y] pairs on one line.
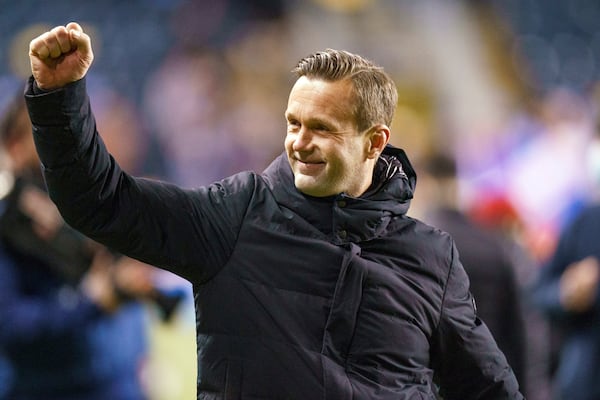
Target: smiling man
{"points": [[327, 153], [310, 281]]}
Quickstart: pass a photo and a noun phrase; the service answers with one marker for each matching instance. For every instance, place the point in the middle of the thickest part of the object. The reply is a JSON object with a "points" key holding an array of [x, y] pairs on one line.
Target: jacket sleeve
{"points": [[466, 358], [188, 232]]}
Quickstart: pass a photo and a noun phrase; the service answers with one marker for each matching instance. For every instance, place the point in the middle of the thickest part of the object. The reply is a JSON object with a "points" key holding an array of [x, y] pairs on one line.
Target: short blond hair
{"points": [[375, 91]]}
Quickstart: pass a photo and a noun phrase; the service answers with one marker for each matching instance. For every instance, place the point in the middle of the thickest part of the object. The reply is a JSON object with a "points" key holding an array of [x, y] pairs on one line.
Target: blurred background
{"points": [[192, 91]]}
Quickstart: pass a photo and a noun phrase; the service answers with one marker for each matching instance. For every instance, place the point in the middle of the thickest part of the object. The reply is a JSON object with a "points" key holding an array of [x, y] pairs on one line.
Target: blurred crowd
{"points": [[193, 91]]}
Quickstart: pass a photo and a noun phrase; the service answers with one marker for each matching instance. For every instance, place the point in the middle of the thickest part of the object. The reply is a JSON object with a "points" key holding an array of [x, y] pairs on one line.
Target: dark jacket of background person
{"points": [[296, 297], [578, 372], [57, 343], [487, 259], [493, 284]]}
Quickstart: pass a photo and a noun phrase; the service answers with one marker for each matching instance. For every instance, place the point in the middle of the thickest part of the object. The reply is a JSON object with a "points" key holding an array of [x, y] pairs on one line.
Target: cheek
{"points": [[347, 166], [287, 143]]}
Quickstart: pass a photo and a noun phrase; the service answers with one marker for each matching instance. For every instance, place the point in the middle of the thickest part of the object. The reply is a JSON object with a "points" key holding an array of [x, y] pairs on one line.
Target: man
{"points": [[567, 291], [488, 258], [310, 280]]}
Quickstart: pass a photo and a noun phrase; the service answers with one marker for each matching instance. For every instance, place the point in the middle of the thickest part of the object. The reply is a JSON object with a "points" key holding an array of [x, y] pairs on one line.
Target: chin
{"points": [[313, 192], [308, 189]]}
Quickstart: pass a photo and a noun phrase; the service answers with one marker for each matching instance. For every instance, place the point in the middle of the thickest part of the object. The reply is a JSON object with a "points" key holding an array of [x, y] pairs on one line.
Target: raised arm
{"points": [[188, 232]]}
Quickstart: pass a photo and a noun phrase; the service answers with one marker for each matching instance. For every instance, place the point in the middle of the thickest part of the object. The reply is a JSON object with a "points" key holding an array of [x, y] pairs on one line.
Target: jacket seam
{"points": [[446, 284]]}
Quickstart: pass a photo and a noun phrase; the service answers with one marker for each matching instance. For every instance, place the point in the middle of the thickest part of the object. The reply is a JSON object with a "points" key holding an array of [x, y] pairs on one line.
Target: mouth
{"points": [[309, 162], [309, 166]]}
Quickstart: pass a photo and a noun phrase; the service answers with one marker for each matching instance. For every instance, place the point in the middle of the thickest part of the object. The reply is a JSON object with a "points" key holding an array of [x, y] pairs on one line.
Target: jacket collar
{"points": [[363, 217]]}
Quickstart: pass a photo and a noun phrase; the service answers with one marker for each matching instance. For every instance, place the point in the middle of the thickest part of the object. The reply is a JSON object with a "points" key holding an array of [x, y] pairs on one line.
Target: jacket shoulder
{"points": [[434, 243]]}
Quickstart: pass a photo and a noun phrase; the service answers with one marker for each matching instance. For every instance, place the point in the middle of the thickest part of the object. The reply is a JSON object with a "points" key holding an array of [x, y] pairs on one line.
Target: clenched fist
{"points": [[60, 56]]}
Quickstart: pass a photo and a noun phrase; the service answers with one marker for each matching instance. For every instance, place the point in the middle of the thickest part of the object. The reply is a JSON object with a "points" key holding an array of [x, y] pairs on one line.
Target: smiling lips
{"points": [[309, 167]]}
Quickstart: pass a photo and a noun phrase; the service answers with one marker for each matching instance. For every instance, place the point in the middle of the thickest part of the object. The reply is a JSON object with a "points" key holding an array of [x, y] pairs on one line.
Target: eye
{"points": [[293, 125]]}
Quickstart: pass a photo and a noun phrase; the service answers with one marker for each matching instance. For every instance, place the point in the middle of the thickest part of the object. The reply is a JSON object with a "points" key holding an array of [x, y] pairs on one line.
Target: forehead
{"points": [[317, 96]]}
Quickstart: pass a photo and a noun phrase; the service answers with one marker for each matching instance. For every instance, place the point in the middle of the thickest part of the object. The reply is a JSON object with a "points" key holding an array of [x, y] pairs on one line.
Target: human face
{"points": [[327, 153]]}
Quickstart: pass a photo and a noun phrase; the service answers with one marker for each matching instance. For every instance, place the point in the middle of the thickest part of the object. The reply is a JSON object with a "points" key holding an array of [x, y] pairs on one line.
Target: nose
{"points": [[303, 140]]}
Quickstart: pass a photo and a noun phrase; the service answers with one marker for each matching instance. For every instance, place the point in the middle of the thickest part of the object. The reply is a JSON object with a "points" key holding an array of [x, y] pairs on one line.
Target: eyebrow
{"points": [[311, 121]]}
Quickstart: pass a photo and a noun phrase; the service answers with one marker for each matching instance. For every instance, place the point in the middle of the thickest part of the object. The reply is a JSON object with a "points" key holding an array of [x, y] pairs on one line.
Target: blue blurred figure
{"points": [[567, 292], [67, 329]]}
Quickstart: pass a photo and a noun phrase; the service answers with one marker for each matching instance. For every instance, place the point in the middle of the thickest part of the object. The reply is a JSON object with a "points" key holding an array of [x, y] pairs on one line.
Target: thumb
{"points": [[77, 37], [74, 26], [81, 42]]}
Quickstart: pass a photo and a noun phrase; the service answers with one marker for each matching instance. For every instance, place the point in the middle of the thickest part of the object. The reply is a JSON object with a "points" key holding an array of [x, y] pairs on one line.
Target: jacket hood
{"points": [[356, 218]]}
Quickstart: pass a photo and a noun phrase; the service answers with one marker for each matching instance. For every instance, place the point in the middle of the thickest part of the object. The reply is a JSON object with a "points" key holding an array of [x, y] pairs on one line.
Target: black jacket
{"points": [[296, 297]]}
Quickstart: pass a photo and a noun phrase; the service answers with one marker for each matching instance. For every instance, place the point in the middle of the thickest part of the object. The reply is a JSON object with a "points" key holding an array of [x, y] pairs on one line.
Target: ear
{"points": [[379, 136]]}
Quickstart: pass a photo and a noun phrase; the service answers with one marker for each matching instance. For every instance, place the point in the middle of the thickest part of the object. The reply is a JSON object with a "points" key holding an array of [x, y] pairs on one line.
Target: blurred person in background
{"points": [[310, 280], [567, 291], [69, 325], [495, 213], [491, 270]]}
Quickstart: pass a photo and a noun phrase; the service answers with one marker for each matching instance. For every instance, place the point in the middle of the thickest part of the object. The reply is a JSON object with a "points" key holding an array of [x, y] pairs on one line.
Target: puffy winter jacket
{"points": [[296, 297]]}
